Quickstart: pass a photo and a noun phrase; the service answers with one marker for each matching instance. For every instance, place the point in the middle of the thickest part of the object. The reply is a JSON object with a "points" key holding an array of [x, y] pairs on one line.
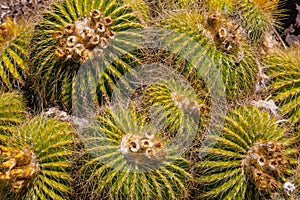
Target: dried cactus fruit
{"points": [[71, 33], [35, 162], [12, 114], [130, 160], [251, 158]]}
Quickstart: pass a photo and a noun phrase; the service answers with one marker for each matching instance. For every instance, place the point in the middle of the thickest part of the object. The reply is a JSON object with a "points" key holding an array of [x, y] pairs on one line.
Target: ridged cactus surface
{"points": [[73, 31], [149, 99], [36, 161], [224, 45], [128, 159], [252, 159], [283, 73], [14, 50], [12, 114]]}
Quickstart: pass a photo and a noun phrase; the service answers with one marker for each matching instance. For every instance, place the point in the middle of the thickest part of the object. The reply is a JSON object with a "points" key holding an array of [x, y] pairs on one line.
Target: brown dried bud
{"points": [[107, 21], [62, 42], [72, 41], [86, 31], [261, 161], [109, 34], [69, 28], [158, 145], [222, 32], [103, 42], [100, 28], [95, 14], [79, 48], [150, 153], [85, 54], [134, 146], [60, 53], [273, 164], [145, 143], [57, 34], [69, 52], [95, 40]]}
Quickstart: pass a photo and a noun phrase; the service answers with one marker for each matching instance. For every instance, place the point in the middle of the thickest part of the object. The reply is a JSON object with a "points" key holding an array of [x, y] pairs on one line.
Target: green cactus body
{"points": [[178, 102], [222, 42], [13, 54], [283, 72], [258, 17], [129, 160], [35, 162], [251, 159], [12, 114], [225, 5], [73, 32]]}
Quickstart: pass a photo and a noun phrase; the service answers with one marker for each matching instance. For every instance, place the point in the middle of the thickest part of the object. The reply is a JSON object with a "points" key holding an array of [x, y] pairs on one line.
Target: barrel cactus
{"points": [[252, 159], [130, 159], [224, 44], [170, 101], [35, 161], [74, 31]]}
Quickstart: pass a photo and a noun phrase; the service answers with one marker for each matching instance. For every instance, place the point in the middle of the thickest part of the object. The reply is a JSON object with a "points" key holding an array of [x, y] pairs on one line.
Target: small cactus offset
{"points": [[283, 74], [74, 31], [130, 160], [12, 114], [35, 161], [253, 158]]}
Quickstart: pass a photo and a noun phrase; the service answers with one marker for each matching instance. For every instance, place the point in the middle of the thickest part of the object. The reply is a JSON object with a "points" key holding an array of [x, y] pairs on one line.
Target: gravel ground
{"points": [[22, 9]]}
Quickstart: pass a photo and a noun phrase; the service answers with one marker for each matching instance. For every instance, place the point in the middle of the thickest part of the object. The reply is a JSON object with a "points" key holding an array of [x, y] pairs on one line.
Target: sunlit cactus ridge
{"points": [[253, 158]]}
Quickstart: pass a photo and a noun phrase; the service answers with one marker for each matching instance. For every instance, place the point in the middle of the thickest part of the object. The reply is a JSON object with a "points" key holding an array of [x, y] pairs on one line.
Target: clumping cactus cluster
{"points": [[78, 39], [137, 148], [20, 167], [264, 162], [159, 134]]}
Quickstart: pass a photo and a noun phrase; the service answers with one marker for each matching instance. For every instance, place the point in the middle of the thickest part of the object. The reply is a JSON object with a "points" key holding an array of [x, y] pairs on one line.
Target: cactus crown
{"points": [[77, 40]]}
